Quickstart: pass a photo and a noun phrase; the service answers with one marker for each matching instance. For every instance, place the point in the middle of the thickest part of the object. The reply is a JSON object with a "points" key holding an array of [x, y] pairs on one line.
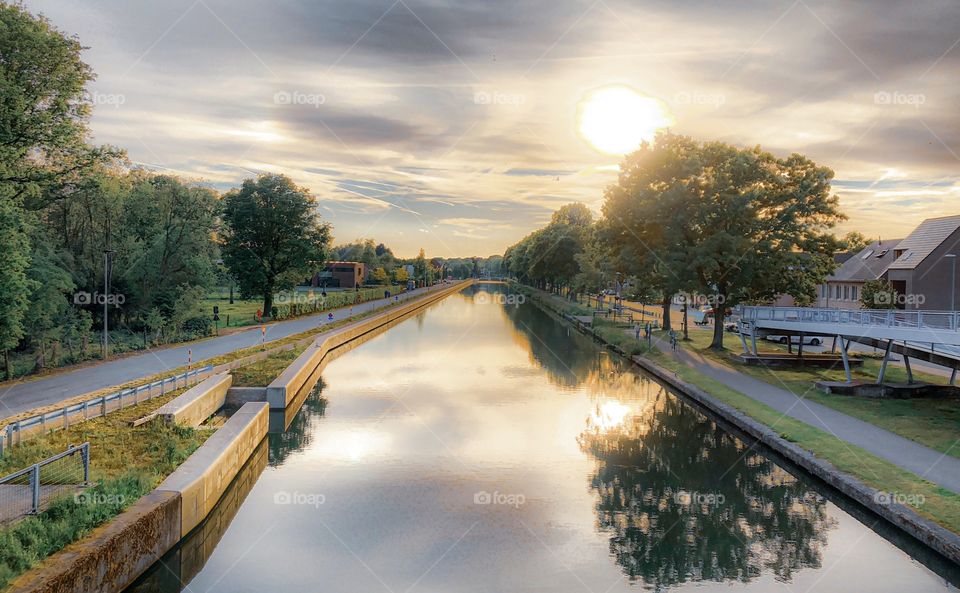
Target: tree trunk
{"points": [[666, 314], [8, 368], [718, 316], [686, 330], [268, 299]]}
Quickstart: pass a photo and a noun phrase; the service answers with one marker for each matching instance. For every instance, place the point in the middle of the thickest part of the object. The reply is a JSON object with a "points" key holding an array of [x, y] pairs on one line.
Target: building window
{"points": [[853, 293], [836, 291], [846, 292]]}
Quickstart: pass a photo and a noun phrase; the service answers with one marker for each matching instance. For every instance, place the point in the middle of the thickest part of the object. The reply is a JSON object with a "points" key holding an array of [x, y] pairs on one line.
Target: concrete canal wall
{"points": [[285, 387], [204, 477], [114, 555], [118, 552], [198, 403]]}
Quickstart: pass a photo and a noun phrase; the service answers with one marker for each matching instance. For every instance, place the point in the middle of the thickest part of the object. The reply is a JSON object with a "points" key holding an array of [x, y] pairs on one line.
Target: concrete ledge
{"points": [[285, 387], [114, 555], [935, 537], [204, 477], [198, 403]]}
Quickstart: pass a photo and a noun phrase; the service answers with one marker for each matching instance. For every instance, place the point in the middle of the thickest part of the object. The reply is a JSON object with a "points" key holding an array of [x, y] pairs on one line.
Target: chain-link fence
{"points": [[30, 490]]}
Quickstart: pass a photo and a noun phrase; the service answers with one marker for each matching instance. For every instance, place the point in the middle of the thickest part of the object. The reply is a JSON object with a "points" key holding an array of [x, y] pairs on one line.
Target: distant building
{"points": [[340, 274], [919, 268], [844, 287]]}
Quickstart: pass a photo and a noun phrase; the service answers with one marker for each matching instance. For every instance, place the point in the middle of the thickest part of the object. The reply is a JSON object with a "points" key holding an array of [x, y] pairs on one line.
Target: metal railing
{"points": [[31, 489], [15, 432], [893, 318]]}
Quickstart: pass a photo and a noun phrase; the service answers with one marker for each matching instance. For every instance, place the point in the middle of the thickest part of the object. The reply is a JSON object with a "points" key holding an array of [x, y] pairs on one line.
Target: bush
{"points": [[197, 326]]}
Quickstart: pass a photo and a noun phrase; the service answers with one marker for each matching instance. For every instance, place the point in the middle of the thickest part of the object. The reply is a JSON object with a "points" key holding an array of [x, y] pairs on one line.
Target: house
{"points": [[921, 269], [844, 287], [340, 274], [924, 273]]}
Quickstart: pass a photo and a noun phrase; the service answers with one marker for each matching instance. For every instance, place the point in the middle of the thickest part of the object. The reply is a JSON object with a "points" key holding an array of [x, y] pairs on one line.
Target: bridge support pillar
{"points": [[883, 366], [953, 377], [906, 363], [844, 344], [743, 341]]}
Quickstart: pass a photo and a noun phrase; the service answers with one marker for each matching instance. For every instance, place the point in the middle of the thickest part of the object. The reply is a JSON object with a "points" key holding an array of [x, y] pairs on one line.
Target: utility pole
{"points": [[953, 281], [107, 255]]}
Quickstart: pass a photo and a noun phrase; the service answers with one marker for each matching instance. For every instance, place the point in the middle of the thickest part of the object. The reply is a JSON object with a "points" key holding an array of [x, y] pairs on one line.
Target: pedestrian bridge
{"points": [[933, 336]]}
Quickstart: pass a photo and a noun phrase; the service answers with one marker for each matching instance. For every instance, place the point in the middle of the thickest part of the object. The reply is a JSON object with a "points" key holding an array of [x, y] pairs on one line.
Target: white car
{"points": [[807, 340]]}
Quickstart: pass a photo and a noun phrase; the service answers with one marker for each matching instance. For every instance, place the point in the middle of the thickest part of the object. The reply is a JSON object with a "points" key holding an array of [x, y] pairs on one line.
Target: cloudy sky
{"points": [[452, 125]]}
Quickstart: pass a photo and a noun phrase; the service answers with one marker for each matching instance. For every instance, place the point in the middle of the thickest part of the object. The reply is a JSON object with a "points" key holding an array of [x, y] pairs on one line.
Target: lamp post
{"points": [[107, 256], [953, 281]]}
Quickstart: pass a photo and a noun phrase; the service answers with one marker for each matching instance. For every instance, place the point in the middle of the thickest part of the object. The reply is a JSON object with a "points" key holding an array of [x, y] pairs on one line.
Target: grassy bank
{"points": [[932, 501], [933, 422], [125, 464]]}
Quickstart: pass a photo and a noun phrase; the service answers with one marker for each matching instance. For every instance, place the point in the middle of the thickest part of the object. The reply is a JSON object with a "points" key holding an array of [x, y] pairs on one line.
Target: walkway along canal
{"points": [[481, 445]]}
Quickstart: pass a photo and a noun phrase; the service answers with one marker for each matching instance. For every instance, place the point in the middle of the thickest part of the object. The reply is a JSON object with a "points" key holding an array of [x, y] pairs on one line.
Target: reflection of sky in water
{"points": [[471, 399]]}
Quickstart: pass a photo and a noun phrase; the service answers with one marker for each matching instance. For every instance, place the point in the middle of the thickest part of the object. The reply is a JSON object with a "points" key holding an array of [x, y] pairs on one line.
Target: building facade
{"points": [[922, 269], [340, 274]]}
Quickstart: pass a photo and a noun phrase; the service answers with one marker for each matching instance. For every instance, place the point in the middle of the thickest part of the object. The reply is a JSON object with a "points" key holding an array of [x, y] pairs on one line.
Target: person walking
{"points": [[673, 340]]}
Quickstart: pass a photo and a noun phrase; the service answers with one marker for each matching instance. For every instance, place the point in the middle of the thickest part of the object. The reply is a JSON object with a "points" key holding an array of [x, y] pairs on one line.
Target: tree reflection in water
{"points": [[298, 435], [671, 516]]}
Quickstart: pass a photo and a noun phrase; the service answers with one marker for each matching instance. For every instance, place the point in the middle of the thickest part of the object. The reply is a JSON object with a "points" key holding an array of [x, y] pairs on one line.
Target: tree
{"points": [[15, 286], [420, 267], [878, 294], [43, 114], [379, 275], [646, 215], [854, 242], [400, 275], [273, 236], [43, 129], [739, 224]]}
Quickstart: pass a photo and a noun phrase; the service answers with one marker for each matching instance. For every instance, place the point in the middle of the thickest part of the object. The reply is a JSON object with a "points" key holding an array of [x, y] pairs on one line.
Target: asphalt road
{"points": [[26, 395]]}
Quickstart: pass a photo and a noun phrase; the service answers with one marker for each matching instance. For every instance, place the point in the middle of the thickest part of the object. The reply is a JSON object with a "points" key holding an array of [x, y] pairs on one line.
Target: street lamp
{"points": [[107, 257], [953, 281]]}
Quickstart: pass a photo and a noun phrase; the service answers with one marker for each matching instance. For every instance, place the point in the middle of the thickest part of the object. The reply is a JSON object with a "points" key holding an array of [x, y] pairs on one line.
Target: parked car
{"points": [[733, 328], [807, 340]]}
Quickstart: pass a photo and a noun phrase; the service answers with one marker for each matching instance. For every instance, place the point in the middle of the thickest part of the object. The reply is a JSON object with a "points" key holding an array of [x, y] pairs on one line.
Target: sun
{"points": [[617, 119]]}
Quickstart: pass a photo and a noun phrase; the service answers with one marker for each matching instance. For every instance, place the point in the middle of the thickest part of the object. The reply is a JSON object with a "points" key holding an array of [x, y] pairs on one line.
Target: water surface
{"points": [[483, 446]]}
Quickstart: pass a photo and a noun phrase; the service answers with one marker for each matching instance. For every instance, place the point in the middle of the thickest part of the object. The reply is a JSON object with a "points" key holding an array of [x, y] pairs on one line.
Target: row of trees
{"points": [[736, 225], [77, 222]]}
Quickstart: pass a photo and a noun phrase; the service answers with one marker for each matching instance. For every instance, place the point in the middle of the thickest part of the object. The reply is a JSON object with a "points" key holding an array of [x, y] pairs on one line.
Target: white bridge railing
{"points": [[879, 318]]}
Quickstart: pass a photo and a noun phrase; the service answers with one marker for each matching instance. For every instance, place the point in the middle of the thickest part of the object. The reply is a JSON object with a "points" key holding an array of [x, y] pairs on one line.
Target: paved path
{"points": [[26, 395], [927, 463]]}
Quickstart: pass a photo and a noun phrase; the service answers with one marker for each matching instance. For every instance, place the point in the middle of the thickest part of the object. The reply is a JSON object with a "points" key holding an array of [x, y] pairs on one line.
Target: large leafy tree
{"points": [[739, 224], [645, 217], [273, 236]]}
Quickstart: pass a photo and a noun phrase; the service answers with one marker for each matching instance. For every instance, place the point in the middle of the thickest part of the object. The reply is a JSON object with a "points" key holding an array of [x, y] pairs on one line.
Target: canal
{"points": [[484, 446]]}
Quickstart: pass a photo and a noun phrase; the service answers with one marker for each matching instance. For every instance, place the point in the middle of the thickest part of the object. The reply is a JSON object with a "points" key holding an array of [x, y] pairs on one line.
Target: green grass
{"points": [[152, 450], [260, 374], [28, 542], [933, 422], [125, 464]]}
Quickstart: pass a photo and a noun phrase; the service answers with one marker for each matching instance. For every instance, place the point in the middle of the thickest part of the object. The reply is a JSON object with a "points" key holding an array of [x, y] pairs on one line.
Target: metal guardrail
{"points": [[15, 432], [31, 489], [893, 318]]}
